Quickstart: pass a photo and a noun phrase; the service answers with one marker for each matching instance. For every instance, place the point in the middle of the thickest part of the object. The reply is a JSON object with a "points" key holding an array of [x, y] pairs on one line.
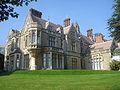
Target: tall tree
{"points": [[114, 21], [7, 8]]}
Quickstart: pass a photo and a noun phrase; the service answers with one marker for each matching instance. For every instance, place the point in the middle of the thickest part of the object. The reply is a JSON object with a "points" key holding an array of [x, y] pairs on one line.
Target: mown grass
{"points": [[60, 80]]}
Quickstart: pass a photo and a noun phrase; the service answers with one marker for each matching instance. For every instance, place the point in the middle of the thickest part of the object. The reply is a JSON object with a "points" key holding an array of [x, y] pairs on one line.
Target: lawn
{"points": [[60, 80]]}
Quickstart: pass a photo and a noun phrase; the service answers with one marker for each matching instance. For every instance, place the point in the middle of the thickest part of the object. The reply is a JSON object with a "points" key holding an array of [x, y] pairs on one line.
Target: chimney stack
{"points": [[99, 38], [90, 34], [36, 13], [66, 22]]}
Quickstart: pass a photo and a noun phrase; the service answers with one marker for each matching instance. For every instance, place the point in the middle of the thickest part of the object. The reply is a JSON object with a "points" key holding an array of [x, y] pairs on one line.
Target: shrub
{"points": [[115, 65]]}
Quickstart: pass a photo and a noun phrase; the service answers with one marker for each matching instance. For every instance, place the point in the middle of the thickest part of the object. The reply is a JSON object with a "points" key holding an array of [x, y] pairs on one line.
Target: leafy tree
{"points": [[114, 21], [115, 65], [7, 8]]}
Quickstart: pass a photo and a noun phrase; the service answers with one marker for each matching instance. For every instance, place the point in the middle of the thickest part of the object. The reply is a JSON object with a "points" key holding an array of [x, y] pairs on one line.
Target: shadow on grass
{"points": [[5, 73]]}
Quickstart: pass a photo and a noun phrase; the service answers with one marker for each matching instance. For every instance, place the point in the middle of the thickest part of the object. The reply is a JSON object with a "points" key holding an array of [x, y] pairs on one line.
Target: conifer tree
{"points": [[114, 21]]}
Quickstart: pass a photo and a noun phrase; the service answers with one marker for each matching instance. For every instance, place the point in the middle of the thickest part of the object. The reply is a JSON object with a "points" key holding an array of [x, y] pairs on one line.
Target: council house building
{"points": [[43, 45]]}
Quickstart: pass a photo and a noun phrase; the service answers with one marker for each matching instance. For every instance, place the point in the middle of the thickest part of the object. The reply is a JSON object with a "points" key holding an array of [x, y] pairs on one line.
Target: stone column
{"points": [[57, 61], [35, 37], [93, 65], [50, 60], [98, 65], [32, 61], [101, 64], [44, 61], [62, 62], [15, 62]]}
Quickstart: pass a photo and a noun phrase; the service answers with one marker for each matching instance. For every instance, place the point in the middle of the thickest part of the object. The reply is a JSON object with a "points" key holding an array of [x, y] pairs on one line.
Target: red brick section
{"points": [[66, 22], [90, 34], [36, 13], [99, 38]]}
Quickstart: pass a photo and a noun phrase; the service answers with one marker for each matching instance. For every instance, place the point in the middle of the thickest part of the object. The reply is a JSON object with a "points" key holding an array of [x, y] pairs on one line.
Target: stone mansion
{"points": [[43, 45]]}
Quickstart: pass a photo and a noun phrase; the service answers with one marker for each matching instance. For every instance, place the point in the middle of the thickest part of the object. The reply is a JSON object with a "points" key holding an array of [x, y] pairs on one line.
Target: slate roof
{"points": [[86, 39], [43, 22], [16, 51], [104, 45]]}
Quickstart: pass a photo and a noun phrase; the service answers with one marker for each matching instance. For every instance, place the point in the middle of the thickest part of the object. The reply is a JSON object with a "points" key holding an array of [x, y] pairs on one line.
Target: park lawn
{"points": [[60, 80]]}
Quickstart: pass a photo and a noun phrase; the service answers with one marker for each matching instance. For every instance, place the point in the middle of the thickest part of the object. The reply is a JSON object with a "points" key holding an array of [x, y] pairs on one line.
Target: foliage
{"points": [[7, 8], [61, 80], [114, 21], [116, 51], [115, 65]]}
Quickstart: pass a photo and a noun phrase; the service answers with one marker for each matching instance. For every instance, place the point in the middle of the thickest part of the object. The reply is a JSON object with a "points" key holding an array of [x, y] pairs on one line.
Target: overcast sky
{"points": [[88, 13]]}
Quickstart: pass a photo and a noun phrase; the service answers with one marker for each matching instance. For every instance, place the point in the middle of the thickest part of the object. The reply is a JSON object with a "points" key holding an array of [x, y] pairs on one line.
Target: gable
{"points": [[73, 32], [28, 20]]}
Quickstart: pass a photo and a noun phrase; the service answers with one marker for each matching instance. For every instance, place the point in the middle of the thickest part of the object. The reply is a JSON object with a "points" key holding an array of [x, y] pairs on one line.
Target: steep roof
{"points": [[16, 51], [86, 39], [43, 22], [104, 45], [38, 20]]}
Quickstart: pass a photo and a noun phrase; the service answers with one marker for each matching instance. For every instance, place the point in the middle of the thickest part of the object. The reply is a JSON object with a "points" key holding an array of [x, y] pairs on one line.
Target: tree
{"points": [[114, 21], [7, 8], [115, 65]]}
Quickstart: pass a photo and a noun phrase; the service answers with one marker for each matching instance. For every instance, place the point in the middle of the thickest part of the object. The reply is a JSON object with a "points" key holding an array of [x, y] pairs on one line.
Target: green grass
{"points": [[60, 80]]}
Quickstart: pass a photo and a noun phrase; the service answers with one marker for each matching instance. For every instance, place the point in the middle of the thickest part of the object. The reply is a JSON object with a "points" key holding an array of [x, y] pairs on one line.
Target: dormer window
{"points": [[73, 46], [72, 34], [49, 27]]}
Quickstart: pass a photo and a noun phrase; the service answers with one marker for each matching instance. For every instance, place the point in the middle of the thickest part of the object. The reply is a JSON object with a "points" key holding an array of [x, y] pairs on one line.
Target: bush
{"points": [[115, 65]]}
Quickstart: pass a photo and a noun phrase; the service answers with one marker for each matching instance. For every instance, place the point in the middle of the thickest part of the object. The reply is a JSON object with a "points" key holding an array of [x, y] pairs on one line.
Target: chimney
{"points": [[90, 34], [99, 38], [36, 13], [66, 22]]}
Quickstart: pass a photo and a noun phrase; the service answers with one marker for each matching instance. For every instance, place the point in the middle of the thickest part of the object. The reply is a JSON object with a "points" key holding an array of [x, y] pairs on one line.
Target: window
{"points": [[26, 41], [49, 27], [18, 62], [54, 62], [97, 64], [59, 61], [51, 41], [72, 33], [12, 62], [61, 43], [73, 46], [38, 37], [26, 61], [30, 37], [17, 42], [12, 46], [74, 63], [47, 61], [33, 37]]}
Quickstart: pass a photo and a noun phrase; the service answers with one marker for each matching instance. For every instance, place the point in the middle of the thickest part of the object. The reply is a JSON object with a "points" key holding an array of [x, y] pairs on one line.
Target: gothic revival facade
{"points": [[41, 44]]}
